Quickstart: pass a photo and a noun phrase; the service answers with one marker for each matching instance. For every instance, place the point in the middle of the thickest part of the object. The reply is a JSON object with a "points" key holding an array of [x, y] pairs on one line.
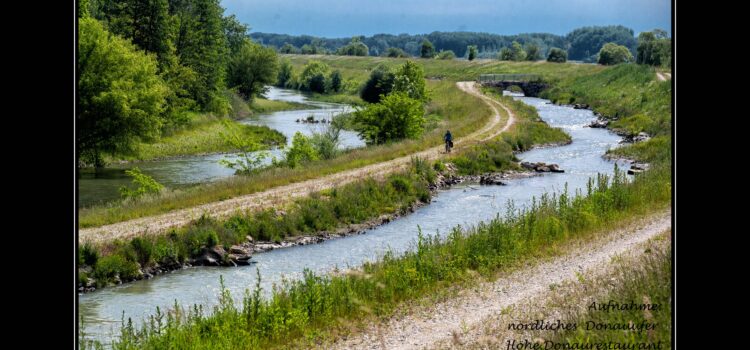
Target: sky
{"points": [[346, 18]]}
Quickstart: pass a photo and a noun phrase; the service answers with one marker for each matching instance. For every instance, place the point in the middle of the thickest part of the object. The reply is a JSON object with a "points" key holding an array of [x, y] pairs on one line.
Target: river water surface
{"points": [[465, 205], [192, 170]]}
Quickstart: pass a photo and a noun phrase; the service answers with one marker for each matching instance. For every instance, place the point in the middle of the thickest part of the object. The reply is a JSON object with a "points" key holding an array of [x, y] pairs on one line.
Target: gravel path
{"points": [[282, 194], [424, 327]]}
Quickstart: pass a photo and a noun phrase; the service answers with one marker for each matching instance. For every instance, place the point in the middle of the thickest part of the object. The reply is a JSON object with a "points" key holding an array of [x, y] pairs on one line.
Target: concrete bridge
{"points": [[531, 84]]}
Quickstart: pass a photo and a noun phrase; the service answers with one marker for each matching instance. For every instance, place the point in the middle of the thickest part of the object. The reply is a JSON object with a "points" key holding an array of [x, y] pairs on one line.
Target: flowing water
{"points": [[464, 205], [191, 170]]}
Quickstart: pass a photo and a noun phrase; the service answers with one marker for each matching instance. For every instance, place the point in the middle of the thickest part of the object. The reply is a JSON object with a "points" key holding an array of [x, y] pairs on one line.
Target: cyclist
{"points": [[448, 141]]}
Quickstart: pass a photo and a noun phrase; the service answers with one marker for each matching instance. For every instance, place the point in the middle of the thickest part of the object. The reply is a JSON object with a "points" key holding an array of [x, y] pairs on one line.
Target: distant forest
{"points": [[582, 44]]}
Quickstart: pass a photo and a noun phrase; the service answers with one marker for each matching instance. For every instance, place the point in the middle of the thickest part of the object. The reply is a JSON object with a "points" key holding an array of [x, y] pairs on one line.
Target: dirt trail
{"points": [[427, 327], [282, 194]]}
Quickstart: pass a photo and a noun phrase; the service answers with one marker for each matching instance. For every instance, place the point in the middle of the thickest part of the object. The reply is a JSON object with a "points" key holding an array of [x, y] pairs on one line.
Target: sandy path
{"points": [[282, 194], [427, 326]]}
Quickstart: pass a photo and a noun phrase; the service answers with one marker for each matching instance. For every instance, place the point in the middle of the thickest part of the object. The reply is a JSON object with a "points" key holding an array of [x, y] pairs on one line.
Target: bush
{"points": [[313, 77], [114, 265], [446, 55], [146, 184], [302, 150], [612, 54], [396, 117], [87, 254], [379, 84], [557, 55], [144, 249]]}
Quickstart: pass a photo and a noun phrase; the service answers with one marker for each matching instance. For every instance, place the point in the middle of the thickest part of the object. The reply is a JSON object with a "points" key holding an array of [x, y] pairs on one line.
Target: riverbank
{"points": [[239, 252], [458, 110], [434, 268]]}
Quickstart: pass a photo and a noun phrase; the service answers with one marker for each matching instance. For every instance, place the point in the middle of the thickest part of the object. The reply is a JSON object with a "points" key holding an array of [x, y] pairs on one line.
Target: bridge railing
{"points": [[487, 78]]}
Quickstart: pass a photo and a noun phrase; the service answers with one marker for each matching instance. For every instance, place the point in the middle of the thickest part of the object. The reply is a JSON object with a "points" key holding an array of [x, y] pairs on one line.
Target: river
{"points": [[180, 172], [465, 205]]}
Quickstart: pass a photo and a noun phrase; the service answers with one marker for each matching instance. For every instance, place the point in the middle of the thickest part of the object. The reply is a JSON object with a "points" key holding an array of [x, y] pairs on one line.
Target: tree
{"points": [[557, 55], [252, 69], [612, 54], [201, 45], [472, 52], [587, 41], [313, 77], [302, 150], [409, 79], [235, 32], [288, 48], [506, 54], [396, 117], [446, 55], [513, 53], [286, 72], [654, 48], [355, 48], [336, 81], [532, 52], [379, 83], [396, 52], [427, 50], [120, 95]]}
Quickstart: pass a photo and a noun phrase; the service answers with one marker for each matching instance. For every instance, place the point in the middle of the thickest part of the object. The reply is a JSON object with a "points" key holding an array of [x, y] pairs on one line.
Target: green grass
{"points": [[321, 211], [628, 93], [307, 311], [359, 68], [650, 284], [657, 149], [204, 137], [262, 105], [458, 111]]}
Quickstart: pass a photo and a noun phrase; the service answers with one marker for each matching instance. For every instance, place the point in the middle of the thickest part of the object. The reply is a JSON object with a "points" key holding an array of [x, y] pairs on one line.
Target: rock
{"points": [[117, 279], [634, 171], [542, 167], [80, 289], [639, 166], [210, 256], [599, 123], [580, 106], [249, 238], [491, 180], [90, 282], [642, 136], [238, 249], [555, 168], [148, 276]]}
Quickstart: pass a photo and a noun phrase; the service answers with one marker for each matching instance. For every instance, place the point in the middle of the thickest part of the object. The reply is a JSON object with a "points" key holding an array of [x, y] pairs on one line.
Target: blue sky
{"points": [[345, 18]]}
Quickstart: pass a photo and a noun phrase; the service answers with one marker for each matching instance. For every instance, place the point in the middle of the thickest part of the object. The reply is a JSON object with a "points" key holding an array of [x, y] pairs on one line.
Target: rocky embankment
{"points": [[241, 254]]}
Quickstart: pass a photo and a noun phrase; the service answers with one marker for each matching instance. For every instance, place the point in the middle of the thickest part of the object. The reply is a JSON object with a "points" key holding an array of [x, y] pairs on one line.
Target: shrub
{"points": [[557, 55], [114, 265], [87, 254], [396, 117], [145, 184], [302, 150]]}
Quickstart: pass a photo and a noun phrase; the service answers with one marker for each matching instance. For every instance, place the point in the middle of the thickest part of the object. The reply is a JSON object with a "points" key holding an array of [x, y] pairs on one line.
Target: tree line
{"points": [[143, 65], [581, 44]]}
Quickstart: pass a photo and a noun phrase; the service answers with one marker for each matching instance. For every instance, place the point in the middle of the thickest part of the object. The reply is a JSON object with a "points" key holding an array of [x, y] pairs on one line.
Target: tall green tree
{"points": [[120, 95], [654, 48], [355, 48], [252, 68], [201, 45], [532, 52], [557, 55], [313, 77], [472, 52], [235, 33], [612, 54], [409, 79], [302, 150], [427, 50], [379, 84], [396, 117], [286, 72], [336, 81]]}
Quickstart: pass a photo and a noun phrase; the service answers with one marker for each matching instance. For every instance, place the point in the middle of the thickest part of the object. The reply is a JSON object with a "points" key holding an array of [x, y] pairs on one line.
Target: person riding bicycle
{"points": [[448, 141]]}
